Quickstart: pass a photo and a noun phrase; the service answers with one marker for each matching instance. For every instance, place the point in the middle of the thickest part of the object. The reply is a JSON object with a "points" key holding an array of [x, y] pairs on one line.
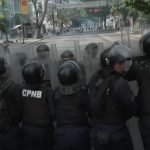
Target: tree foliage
{"points": [[86, 0], [40, 13], [3, 27], [2, 5], [66, 15], [2, 2], [120, 7], [1, 16], [140, 5]]}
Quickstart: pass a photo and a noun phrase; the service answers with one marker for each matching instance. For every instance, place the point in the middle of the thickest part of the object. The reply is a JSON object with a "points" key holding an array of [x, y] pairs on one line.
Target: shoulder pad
{"points": [[5, 85]]}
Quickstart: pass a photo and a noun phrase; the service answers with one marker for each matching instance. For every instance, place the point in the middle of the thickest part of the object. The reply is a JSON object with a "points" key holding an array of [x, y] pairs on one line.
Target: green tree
{"points": [[40, 13], [120, 7], [3, 29], [88, 0], [140, 5], [2, 5], [66, 15], [16, 19], [1, 16]]}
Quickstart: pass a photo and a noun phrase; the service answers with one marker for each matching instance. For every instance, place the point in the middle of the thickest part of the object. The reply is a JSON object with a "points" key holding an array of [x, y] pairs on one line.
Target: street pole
{"points": [[22, 25], [99, 12], [120, 19]]}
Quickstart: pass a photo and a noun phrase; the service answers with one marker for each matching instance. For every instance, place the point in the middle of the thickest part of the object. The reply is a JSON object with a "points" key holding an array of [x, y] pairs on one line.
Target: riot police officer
{"points": [[67, 55], [36, 109], [43, 52], [104, 64], [112, 104], [140, 71], [9, 111], [72, 110]]}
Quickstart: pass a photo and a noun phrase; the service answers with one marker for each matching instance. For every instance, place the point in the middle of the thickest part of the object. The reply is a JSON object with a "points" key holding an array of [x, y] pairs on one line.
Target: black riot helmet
{"points": [[104, 58], [68, 73], [115, 43], [33, 73], [3, 64], [67, 55], [43, 51], [43, 47], [118, 54], [145, 44]]}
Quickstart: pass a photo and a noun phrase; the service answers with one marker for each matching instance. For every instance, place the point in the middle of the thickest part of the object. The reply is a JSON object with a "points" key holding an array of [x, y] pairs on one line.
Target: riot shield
{"points": [[32, 53], [91, 58], [87, 56], [53, 66], [4, 52], [17, 60], [131, 40], [60, 52], [69, 51]]}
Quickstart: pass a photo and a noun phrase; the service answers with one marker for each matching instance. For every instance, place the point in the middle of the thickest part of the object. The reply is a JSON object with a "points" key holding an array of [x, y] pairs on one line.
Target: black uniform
{"points": [[36, 117], [72, 110], [9, 112], [140, 71], [112, 106], [36, 109], [109, 116]]}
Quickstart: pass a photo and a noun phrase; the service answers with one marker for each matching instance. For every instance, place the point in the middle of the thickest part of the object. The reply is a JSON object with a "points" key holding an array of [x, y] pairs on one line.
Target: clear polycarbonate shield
{"points": [[86, 55], [60, 52], [43, 56], [87, 58], [131, 40], [53, 66], [19, 56], [70, 50], [4, 52], [91, 58], [65, 51]]}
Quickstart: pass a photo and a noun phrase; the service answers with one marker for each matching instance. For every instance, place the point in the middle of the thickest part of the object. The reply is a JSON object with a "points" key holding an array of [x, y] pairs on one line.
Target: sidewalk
{"points": [[18, 44]]}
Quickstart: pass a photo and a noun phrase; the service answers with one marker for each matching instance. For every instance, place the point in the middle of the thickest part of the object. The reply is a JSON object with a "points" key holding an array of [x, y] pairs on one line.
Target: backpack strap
{"points": [[5, 86]]}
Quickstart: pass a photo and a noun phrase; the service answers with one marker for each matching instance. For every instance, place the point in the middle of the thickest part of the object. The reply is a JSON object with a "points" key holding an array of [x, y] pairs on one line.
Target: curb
{"points": [[30, 44]]}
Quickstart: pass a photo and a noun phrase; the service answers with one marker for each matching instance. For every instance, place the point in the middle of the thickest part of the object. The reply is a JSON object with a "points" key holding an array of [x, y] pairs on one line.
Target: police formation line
{"points": [[75, 116]]}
